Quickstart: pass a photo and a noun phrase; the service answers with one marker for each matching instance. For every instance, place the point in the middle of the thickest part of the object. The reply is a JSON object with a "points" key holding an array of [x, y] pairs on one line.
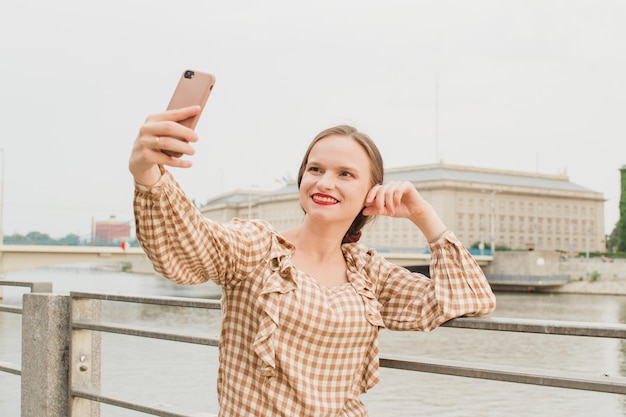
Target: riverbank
{"points": [[610, 273], [601, 287]]}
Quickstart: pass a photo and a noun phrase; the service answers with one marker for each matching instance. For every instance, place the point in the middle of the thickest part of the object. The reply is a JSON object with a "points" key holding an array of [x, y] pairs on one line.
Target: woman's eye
{"points": [[346, 174], [314, 169]]}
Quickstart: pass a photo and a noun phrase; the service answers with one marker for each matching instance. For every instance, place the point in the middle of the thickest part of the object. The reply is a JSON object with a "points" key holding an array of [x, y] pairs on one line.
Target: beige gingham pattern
{"points": [[289, 346]]}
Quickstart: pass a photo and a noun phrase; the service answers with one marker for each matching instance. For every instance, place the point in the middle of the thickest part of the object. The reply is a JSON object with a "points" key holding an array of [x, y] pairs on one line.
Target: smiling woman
{"points": [[303, 307]]}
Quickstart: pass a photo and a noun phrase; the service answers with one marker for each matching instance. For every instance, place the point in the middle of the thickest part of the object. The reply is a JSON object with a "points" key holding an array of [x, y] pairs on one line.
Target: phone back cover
{"points": [[190, 92]]}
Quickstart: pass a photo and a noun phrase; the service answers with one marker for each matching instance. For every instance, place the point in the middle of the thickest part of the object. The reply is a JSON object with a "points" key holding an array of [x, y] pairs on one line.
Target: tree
{"points": [[621, 223], [611, 240], [70, 240], [38, 238]]}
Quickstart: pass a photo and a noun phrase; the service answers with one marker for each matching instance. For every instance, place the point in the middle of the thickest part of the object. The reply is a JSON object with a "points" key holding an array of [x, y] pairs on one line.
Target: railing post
{"points": [[45, 364], [85, 357]]}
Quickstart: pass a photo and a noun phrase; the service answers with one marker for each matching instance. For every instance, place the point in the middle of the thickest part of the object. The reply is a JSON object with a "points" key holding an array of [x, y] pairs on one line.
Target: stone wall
{"points": [[526, 263], [547, 263], [609, 269]]}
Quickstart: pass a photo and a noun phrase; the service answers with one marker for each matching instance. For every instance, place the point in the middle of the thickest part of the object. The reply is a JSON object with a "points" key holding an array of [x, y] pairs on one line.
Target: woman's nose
{"points": [[325, 182]]}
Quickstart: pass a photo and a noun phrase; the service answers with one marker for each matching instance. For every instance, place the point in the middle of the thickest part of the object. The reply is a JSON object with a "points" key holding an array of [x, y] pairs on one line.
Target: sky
{"points": [[532, 86]]}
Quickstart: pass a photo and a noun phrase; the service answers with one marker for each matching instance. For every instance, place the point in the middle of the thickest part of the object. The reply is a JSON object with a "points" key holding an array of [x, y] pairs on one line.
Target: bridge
{"points": [[417, 260], [16, 257]]}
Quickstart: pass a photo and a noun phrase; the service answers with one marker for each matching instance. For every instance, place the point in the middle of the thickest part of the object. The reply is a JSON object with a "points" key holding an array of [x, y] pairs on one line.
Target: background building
{"points": [[491, 207], [111, 231]]}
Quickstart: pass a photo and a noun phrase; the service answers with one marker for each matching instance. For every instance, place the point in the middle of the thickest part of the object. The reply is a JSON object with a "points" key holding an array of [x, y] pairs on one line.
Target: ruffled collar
{"points": [[357, 258], [356, 255]]}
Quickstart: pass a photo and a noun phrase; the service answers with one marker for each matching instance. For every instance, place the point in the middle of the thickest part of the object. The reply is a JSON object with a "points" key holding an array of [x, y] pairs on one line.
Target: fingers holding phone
{"points": [[160, 135], [171, 135]]}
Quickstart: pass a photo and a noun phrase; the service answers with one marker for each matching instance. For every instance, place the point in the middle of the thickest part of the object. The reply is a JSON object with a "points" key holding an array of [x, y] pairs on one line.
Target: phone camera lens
{"points": [[189, 74]]}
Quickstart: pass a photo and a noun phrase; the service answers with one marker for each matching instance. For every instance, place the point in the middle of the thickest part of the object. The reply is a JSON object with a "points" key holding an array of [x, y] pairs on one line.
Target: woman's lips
{"points": [[324, 199]]}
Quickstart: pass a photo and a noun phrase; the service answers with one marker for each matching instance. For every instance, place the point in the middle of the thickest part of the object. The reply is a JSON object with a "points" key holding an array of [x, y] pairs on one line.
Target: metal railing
{"points": [[40, 287], [34, 287], [548, 378], [85, 362], [79, 375], [605, 384]]}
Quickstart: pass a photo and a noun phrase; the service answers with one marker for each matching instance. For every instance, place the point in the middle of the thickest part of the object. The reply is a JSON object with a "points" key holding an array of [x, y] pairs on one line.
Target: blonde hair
{"points": [[377, 170]]}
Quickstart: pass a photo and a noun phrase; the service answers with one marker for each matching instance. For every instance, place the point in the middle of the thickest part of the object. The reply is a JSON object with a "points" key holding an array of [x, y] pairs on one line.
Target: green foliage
{"points": [[70, 240], [611, 240], [621, 224], [38, 238], [31, 238], [594, 276]]}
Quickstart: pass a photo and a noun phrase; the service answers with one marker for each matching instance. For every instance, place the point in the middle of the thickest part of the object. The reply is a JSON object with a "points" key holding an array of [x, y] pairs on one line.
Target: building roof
{"points": [[238, 196], [443, 172], [290, 188]]}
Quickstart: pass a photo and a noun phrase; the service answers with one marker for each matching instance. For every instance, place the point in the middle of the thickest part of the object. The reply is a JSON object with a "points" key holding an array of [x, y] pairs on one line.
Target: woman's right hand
{"points": [[161, 132]]}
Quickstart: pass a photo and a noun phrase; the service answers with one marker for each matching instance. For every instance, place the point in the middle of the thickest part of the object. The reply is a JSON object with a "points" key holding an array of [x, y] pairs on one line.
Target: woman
{"points": [[302, 308]]}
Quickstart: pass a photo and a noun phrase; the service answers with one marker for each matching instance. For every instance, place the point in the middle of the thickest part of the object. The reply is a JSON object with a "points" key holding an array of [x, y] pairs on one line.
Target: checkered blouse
{"points": [[289, 346]]}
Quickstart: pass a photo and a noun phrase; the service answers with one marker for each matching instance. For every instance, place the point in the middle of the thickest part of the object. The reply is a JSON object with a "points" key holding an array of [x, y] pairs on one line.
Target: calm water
{"points": [[160, 372]]}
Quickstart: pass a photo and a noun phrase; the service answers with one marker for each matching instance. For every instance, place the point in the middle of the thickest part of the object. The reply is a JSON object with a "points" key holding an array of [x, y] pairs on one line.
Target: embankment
{"points": [[586, 275]]}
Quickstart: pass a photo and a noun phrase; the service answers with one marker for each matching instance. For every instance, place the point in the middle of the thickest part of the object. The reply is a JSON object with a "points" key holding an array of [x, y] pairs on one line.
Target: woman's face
{"points": [[336, 180]]}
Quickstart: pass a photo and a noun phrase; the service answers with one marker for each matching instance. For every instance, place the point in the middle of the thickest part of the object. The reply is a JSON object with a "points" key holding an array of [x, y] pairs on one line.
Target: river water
{"points": [[160, 372]]}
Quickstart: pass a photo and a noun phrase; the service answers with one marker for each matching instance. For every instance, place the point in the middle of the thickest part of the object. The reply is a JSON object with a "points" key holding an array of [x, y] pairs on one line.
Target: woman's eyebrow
{"points": [[340, 167]]}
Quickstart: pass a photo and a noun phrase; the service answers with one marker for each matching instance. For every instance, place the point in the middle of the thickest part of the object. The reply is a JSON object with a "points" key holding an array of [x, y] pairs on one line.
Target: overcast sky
{"points": [[531, 85]]}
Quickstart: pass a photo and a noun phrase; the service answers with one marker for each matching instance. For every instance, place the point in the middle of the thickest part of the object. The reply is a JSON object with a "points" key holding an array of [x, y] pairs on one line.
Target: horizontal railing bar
{"points": [[15, 283], [6, 308], [149, 332], [10, 368], [34, 286], [498, 373], [552, 327], [155, 410], [167, 301], [550, 378]]}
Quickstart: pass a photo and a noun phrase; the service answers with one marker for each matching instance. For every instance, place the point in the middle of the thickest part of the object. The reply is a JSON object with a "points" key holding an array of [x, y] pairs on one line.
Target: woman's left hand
{"points": [[394, 199], [401, 199]]}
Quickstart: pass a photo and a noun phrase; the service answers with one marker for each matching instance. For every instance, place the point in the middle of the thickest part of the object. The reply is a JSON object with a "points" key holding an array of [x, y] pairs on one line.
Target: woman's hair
{"points": [[354, 232]]}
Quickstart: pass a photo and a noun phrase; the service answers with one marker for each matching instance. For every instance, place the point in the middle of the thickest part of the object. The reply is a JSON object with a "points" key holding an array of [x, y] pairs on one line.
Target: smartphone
{"points": [[194, 88]]}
